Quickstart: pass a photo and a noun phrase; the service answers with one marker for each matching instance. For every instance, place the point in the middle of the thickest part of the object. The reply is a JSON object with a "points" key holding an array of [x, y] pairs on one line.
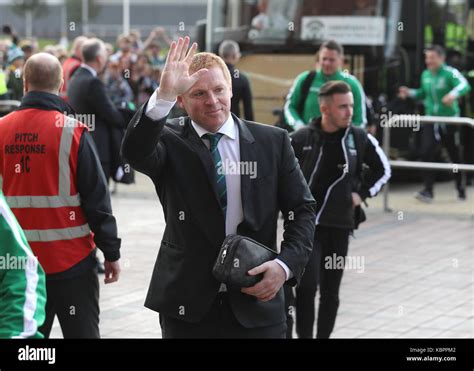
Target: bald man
{"points": [[53, 181], [71, 64]]}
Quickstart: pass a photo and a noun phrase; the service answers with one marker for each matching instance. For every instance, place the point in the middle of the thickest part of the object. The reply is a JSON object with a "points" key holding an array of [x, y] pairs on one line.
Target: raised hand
{"points": [[159, 31], [175, 78]]}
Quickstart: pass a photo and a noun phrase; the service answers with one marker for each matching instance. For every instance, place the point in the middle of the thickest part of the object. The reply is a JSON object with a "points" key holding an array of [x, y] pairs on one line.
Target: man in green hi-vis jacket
{"points": [[22, 281], [440, 88], [302, 101]]}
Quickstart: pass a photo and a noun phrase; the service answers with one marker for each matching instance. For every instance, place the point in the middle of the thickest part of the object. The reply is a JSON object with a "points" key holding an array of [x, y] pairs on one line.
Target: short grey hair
{"points": [[332, 45], [91, 49], [228, 48]]}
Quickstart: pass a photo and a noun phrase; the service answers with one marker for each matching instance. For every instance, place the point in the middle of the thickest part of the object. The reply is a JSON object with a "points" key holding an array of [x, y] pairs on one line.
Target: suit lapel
{"points": [[205, 157], [211, 223], [248, 154]]}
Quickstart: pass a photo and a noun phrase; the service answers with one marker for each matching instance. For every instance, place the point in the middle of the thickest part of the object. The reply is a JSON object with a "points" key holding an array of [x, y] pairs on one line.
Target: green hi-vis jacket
{"points": [[311, 106], [22, 281], [434, 87]]}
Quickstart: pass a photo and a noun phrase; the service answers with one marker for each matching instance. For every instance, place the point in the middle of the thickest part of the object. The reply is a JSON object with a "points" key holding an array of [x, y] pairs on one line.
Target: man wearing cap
{"points": [[16, 60]]}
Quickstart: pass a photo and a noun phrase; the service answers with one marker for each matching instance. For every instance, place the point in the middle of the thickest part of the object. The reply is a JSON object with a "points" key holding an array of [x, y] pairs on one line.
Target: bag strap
{"points": [[360, 140], [308, 81]]}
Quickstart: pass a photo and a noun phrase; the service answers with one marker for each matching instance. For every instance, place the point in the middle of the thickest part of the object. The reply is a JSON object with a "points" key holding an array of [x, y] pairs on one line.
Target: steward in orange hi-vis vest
{"points": [[42, 147], [40, 167], [53, 181]]}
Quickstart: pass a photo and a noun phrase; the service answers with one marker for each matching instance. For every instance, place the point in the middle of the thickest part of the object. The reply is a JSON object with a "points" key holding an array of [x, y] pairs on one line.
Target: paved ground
{"points": [[416, 279]]}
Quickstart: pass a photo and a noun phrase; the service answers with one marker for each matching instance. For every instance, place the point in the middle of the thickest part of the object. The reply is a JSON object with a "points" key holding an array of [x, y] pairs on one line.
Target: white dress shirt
{"points": [[229, 150]]}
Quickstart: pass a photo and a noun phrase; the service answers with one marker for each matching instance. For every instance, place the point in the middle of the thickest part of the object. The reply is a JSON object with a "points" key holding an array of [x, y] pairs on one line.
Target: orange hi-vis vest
{"points": [[38, 167]]}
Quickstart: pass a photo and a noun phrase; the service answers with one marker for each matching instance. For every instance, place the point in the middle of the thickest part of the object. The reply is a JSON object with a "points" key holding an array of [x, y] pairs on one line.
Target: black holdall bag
{"points": [[359, 216], [237, 256]]}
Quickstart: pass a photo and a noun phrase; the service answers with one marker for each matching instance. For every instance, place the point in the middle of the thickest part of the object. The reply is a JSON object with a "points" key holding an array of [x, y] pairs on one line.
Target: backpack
{"points": [[281, 123]]}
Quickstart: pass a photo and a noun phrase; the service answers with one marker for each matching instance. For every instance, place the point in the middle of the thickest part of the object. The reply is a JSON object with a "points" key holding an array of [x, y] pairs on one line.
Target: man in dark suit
{"points": [[88, 96], [192, 162], [229, 51]]}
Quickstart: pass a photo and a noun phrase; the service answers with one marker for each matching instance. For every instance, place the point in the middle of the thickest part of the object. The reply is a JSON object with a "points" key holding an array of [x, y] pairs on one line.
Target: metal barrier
{"points": [[405, 119], [9, 105]]}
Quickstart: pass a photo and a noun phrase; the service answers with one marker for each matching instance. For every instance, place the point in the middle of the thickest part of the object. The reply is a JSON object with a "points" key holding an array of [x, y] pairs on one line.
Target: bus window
{"points": [[278, 22], [273, 19]]}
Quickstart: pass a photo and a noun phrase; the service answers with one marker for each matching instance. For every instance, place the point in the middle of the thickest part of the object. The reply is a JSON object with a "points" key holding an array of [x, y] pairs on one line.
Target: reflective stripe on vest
{"points": [[64, 152], [34, 202], [48, 235]]}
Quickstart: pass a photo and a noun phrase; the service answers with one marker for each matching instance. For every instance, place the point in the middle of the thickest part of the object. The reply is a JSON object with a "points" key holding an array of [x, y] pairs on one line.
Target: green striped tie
{"points": [[219, 169]]}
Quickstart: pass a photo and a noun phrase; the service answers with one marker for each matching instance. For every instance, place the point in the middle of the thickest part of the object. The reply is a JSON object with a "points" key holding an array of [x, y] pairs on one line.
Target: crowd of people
{"points": [[132, 73]]}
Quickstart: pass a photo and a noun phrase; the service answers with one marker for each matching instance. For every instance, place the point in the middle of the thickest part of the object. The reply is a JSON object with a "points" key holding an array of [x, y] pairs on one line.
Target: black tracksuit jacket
{"points": [[331, 165]]}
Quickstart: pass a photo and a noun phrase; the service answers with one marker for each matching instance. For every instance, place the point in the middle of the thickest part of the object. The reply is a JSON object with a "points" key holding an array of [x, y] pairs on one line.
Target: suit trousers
{"points": [[467, 140], [76, 303], [432, 138], [327, 241], [218, 323]]}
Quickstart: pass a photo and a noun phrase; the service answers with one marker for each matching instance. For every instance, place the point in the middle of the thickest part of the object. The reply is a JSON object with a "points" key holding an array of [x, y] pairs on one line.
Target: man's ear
{"points": [[179, 100], [25, 85], [341, 62], [61, 85], [323, 107]]}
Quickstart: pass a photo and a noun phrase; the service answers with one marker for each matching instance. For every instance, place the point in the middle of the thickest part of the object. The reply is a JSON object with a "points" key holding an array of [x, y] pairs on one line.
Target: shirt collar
{"points": [[45, 101], [227, 129], [438, 70], [90, 69], [338, 75]]}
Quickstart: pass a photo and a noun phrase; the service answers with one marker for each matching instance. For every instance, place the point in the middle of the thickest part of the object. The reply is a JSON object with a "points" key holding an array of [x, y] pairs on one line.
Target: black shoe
{"points": [[424, 196], [461, 194]]}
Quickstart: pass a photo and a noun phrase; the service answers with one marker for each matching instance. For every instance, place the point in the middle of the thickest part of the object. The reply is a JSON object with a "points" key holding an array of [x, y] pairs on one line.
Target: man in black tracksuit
{"points": [[343, 166]]}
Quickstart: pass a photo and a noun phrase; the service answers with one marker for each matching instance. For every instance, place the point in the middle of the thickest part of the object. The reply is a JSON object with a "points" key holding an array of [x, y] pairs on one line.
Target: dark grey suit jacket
{"points": [[181, 168], [87, 95]]}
